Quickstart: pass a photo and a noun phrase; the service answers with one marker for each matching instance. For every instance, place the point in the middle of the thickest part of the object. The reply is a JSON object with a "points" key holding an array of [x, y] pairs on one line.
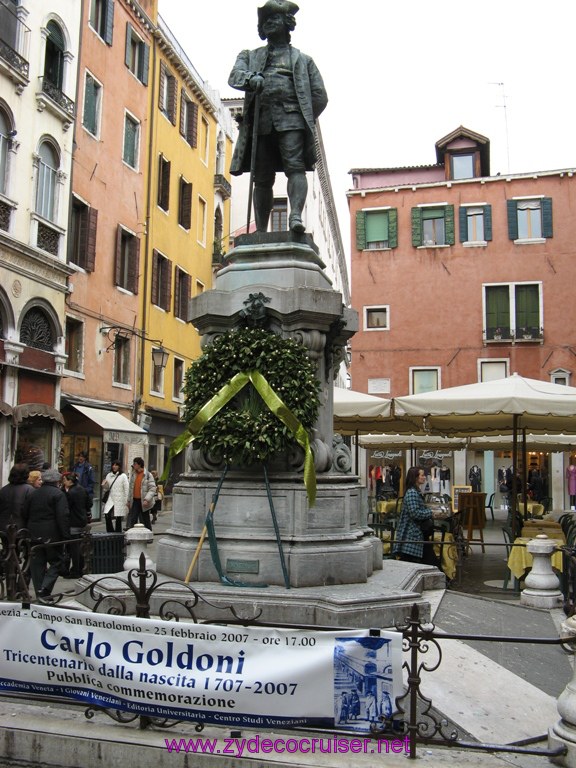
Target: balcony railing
{"points": [[14, 45], [529, 334], [498, 334], [58, 97], [222, 185]]}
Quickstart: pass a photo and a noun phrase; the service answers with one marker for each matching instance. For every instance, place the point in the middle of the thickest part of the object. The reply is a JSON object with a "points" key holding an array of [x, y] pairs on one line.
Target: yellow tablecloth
{"points": [[520, 559], [533, 508], [449, 554], [532, 528], [386, 507]]}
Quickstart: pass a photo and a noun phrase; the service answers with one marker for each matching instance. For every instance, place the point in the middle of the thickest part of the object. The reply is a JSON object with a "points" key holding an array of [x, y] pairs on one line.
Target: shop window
{"points": [[122, 360], [137, 54], [513, 312], [432, 225], [424, 380], [131, 145], [178, 380], [84, 224], [92, 105], [74, 344], [102, 18], [462, 166], [189, 120], [127, 260], [181, 294], [167, 94], [163, 183], [377, 318], [529, 219], [185, 204], [161, 281], [377, 229], [475, 223]]}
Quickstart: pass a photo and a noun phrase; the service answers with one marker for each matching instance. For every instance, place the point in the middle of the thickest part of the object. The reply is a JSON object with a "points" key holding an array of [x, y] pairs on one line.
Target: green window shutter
{"points": [[487, 222], [449, 224], [463, 223], [527, 307], [360, 230], [144, 65], [109, 22], [547, 217], [497, 309], [393, 228], [128, 51], [92, 227], [376, 226], [416, 227], [512, 219]]}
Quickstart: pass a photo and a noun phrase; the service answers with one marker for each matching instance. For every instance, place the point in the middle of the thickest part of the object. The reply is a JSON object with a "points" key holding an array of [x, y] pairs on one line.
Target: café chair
{"points": [[490, 505], [546, 502], [507, 533]]}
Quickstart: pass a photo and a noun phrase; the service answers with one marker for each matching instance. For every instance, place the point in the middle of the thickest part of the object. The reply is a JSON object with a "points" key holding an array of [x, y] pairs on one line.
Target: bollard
{"points": [[542, 585], [563, 733], [137, 540]]}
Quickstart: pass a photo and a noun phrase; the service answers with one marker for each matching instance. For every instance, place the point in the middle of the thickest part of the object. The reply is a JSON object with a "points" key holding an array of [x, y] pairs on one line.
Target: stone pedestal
{"points": [[563, 733], [542, 585]]}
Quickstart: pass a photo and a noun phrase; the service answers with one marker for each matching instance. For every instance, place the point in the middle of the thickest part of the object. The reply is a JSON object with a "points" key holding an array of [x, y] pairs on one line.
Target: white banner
{"points": [[227, 675]]}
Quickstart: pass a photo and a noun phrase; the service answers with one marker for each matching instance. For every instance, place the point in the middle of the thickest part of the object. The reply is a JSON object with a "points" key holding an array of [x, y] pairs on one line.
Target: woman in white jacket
{"points": [[116, 483]]}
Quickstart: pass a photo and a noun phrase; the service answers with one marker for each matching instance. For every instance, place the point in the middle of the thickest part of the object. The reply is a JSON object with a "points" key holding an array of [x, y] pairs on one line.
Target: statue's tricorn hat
{"points": [[276, 6]]}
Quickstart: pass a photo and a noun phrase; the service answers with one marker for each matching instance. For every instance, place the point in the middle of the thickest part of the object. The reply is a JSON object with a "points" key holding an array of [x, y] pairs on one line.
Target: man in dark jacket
{"points": [[291, 94], [79, 506], [85, 473], [45, 514]]}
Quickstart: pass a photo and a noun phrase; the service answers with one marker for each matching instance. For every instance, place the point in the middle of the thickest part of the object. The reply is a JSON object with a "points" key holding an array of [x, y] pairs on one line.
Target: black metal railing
{"points": [[58, 97]]}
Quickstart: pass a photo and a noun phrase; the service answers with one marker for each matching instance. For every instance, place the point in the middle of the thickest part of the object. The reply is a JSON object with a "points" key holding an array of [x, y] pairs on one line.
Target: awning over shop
{"points": [[28, 410], [5, 409], [115, 427]]}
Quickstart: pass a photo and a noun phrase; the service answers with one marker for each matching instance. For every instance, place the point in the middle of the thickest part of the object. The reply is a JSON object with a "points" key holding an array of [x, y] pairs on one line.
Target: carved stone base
{"points": [[325, 545]]}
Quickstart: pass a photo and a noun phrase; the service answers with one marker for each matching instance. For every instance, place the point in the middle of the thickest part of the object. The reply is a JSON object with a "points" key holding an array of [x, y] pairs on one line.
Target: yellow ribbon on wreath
{"points": [[274, 403]]}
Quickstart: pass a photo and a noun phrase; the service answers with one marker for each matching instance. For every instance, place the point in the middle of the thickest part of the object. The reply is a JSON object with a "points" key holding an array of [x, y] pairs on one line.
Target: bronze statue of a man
{"points": [[291, 95]]}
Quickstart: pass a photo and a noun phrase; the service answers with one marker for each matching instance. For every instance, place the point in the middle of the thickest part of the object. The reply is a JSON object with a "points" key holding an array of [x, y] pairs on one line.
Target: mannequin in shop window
{"points": [[571, 479], [475, 478]]}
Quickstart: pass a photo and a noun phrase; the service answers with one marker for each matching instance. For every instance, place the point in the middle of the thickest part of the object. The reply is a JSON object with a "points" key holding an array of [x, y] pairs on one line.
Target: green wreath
{"points": [[245, 431]]}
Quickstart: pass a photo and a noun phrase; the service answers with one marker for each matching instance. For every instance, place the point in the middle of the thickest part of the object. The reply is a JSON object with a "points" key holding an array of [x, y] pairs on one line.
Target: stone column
{"points": [[564, 732]]}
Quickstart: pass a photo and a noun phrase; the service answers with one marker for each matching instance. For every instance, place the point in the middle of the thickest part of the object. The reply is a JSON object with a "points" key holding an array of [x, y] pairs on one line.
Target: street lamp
{"points": [[160, 357]]}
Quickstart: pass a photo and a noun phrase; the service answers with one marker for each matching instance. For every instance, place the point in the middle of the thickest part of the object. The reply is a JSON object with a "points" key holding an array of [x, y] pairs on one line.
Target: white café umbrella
{"points": [[357, 412]]}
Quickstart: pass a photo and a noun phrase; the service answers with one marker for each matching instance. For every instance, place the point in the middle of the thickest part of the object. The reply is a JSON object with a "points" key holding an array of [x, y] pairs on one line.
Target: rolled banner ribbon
{"points": [[274, 403]]}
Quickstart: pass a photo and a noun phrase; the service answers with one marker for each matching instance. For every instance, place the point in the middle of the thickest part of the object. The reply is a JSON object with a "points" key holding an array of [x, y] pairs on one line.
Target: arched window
{"points": [[4, 129], [218, 232], [46, 186], [37, 330], [54, 60]]}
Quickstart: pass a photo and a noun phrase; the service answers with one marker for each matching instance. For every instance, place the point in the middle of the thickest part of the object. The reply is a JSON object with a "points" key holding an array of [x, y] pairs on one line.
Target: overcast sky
{"points": [[402, 74]]}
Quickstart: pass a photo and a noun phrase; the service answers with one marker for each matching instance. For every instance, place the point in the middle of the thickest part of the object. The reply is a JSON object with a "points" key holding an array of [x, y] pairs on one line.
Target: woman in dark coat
{"points": [[45, 514], [13, 496]]}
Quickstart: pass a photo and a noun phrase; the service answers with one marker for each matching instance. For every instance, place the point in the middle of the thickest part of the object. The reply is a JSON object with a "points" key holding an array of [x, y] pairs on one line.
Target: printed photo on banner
{"points": [[232, 676]]}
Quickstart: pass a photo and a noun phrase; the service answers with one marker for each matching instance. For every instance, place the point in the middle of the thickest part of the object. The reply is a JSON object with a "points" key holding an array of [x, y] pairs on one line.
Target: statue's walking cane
{"points": [[255, 125]]}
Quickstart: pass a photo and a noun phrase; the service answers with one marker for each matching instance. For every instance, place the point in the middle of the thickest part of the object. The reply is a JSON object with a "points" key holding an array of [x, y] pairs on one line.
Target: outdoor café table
{"points": [[551, 529], [533, 508], [520, 559]]}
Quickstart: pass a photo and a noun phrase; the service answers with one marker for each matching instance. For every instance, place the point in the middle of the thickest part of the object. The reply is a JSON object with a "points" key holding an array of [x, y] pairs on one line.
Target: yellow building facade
{"points": [[187, 214]]}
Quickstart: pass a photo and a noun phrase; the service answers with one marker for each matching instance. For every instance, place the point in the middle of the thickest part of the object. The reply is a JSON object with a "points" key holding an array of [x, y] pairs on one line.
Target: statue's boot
{"points": [[297, 191]]}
